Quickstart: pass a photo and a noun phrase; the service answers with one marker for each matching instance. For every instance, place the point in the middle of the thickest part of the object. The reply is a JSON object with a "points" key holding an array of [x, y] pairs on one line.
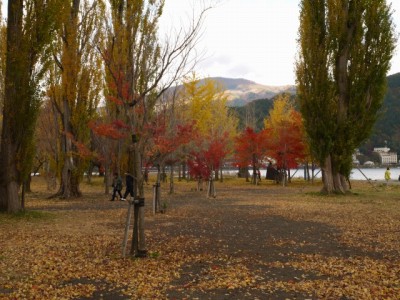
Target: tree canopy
{"points": [[345, 52]]}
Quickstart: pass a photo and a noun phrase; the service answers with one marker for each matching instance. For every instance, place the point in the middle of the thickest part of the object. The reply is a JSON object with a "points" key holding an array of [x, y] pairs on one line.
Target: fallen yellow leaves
{"points": [[261, 242]]}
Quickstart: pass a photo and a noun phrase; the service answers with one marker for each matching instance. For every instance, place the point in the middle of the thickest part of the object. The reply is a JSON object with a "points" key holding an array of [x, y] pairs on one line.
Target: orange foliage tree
{"points": [[251, 148], [285, 136], [169, 140]]}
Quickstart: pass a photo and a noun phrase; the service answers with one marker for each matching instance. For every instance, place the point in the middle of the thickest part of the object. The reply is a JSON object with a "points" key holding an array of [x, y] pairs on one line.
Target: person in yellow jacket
{"points": [[387, 175]]}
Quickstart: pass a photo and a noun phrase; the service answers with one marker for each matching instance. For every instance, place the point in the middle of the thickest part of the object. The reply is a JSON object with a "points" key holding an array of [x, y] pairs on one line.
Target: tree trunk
{"points": [[171, 180], [334, 182], [244, 173], [211, 189], [199, 184], [107, 178], [163, 174], [69, 187], [184, 171], [254, 177], [10, 176], [138, 248], [217, 174], [337, 183], [157, 195], [89, 173], [327, 176], [9, 199], [28, 184]]}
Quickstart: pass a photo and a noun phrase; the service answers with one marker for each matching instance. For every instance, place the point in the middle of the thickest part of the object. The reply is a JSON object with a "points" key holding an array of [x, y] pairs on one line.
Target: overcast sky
{"points": [[251, 39]]}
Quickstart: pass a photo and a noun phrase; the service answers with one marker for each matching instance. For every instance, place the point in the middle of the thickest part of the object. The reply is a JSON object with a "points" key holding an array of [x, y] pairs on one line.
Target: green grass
{"points": [[26, 215]]}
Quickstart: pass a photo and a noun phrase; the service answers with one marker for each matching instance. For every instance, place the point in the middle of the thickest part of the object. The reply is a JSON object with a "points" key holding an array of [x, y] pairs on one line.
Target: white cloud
{"points": [[252, 39]]}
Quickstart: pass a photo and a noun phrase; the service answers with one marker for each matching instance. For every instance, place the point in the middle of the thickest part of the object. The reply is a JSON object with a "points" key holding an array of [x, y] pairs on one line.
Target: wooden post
{"points": [[138, 238], [369, 181], [135, 235], [154, 198], [127, 224]]}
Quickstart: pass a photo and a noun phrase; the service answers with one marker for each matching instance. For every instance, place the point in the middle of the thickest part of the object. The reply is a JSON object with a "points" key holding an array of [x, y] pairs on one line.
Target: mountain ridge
{"points": [[241, 91]]}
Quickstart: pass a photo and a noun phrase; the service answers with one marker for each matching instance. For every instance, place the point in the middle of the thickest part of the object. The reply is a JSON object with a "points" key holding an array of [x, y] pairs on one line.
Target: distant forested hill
{"points": [[387, 127], [254, 112]]}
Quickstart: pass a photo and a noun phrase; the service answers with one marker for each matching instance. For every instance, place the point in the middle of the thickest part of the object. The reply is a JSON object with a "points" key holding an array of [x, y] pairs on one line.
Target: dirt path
{"points": [[250, 239], [251, 242]]}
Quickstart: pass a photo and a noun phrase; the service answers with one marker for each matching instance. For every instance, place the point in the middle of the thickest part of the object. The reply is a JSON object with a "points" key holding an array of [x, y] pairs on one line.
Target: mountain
{"points": [[387, 128], [250, 98], [242, 91], [255, 111]]}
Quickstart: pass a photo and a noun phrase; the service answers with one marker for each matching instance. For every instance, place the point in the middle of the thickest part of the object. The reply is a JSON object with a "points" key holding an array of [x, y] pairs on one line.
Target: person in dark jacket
{"points": [[129, 186], [117, 186]]}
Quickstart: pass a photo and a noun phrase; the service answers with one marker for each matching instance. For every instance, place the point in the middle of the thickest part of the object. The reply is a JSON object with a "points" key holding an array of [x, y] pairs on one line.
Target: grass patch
{"points": [[27, 215]]}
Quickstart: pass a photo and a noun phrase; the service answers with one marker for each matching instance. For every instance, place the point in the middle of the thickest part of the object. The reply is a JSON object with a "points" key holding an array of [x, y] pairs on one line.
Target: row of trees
{"points": [[87, 83], [63, 61]]}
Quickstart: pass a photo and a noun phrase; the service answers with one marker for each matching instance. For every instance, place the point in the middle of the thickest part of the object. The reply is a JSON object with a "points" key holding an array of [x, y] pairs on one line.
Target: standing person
{"points": [[387, 175], [129, 186], [117, 186]]}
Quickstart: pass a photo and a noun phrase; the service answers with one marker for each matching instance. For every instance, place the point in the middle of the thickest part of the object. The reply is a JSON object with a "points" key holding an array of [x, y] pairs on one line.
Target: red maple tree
{"points": [[286, 143], [251, 148], [208, 158]]}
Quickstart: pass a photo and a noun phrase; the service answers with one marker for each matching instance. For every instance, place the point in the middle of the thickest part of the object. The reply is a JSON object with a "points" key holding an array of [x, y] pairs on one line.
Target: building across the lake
{"points": [[386, 157]]}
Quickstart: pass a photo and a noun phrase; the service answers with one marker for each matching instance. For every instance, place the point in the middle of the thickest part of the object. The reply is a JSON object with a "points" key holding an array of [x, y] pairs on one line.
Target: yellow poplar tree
{"points": [[280, 113], [3, 43], [30, 28], [206, 104], [74, 85]]}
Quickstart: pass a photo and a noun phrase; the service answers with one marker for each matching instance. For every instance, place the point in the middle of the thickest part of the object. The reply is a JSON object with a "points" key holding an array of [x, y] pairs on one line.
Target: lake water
{"points": [[370, 173]]}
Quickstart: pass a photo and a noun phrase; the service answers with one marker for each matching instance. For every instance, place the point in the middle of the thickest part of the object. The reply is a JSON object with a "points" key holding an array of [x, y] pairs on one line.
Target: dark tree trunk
{"points": [[138, 248], [334, 182], [244, 173], [69, 187], [184, 171], [179, 172], [28, 184], [10, 180], [171, 180], [254, 177]]}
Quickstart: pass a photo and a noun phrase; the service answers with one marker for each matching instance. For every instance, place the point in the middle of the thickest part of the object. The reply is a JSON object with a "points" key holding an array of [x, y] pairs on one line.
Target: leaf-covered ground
{"points": [[251, 242]]}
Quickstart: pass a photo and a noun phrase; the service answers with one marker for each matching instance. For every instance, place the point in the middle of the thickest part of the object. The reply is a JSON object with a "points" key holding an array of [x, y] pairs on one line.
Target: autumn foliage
{"points": [[251, 147], [168, 138], [208, 159], [286, 142], [114, 130]]}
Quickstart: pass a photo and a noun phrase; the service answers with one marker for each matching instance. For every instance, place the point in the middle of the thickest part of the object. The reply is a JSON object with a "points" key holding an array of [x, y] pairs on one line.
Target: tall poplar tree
{"points": [[74, 86], [3, 44], [345, 52], [29, 31]]}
